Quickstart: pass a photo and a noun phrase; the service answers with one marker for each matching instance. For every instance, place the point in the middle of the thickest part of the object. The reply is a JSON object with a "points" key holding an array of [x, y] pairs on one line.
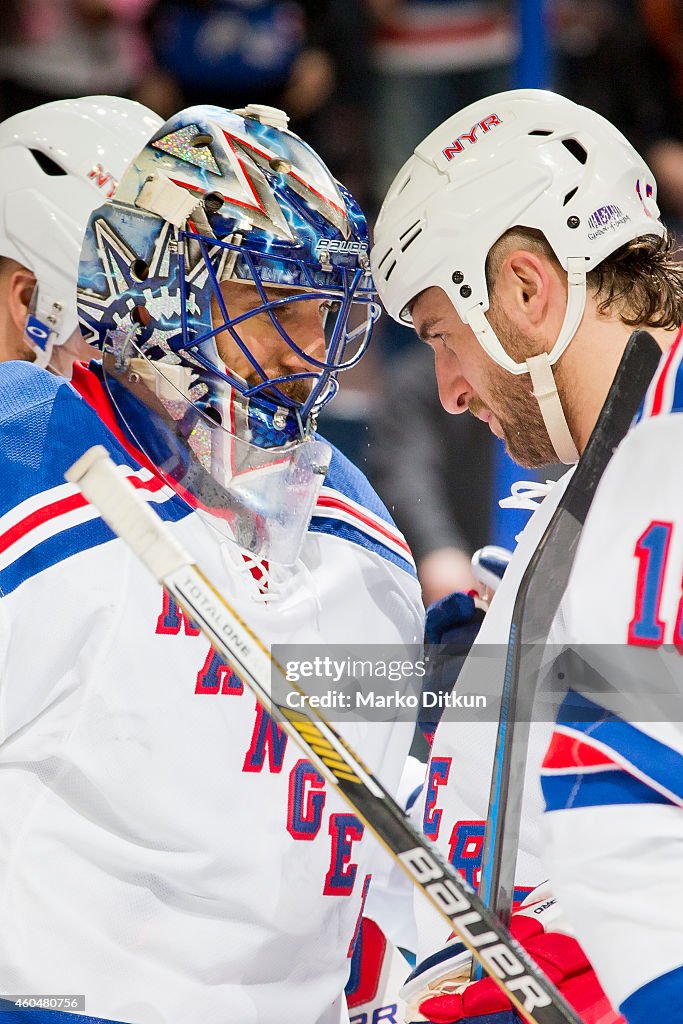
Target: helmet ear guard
{"points": [[525, 158]]}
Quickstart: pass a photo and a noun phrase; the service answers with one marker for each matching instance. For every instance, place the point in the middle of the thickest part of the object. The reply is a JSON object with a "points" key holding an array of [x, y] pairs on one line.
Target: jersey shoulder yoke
{"points": [[44, 427], [349, 508]]}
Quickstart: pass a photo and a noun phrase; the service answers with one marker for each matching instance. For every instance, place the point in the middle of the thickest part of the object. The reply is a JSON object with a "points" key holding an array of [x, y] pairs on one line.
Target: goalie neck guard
{"points": [[225, 198]]}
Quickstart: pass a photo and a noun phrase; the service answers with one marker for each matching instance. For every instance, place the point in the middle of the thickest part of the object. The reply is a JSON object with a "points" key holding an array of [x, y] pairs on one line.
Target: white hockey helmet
{"points": [[525, 158], [58, 162]]}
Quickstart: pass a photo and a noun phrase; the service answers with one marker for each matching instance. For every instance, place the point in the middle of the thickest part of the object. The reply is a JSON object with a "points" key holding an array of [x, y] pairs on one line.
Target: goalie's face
{"points": [[257, 349], [470, 381]]}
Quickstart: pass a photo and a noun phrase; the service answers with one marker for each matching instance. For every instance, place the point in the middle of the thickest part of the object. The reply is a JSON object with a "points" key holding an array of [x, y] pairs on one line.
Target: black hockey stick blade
{"points": [[538, 599]]}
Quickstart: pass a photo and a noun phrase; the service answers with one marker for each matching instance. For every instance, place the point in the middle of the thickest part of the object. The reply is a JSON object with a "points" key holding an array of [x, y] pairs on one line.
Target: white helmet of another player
{"points": [[57, 163], [525, 158]]}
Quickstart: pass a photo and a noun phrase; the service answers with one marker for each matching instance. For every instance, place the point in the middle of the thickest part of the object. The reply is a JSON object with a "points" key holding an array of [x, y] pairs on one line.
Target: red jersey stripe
{"points": [[327, 501], [570, 752], [663, 374]]}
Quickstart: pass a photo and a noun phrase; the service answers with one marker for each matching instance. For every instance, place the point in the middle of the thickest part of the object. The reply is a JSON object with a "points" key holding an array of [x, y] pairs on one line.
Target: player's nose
{"points": [[310, 340], [455, 391]]}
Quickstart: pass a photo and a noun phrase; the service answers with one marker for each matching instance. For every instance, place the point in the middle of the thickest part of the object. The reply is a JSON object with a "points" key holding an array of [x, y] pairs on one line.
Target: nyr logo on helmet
{"points": [[472, 136], [604, 219], [103, 179]]}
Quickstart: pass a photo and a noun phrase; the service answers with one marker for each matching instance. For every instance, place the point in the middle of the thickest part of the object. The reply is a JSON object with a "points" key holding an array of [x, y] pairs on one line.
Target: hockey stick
{"points": [[502, 957], [536, 604]]}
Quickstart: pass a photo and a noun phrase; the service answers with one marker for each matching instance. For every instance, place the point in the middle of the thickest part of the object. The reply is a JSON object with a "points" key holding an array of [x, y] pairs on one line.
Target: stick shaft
{"points": [[501, 956], [538, 599]]}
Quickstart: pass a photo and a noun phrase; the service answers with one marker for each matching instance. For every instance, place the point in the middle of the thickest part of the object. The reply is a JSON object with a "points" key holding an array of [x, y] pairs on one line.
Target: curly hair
{"points": [[642, 282]]}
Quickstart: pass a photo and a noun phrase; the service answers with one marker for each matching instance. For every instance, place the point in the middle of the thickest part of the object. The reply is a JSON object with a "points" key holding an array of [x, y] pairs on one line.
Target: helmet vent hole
{"points": [[280, 166], [541, 131], [201, 139], [576, 149], [140, 315], [570, 195], [47, 164], [386, 256], [213, 202], [139, 269], [408, 230], [411, 238], [390, 271], [404, 184], [213, 415]]}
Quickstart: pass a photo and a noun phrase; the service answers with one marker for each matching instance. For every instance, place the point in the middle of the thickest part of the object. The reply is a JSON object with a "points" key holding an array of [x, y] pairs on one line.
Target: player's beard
{"points": [[510, 399], [297, 390]]}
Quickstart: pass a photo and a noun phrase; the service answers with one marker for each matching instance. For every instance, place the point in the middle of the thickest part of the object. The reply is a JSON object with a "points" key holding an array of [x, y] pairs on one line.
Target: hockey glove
{"points": [[450, 630], [439, 989]]}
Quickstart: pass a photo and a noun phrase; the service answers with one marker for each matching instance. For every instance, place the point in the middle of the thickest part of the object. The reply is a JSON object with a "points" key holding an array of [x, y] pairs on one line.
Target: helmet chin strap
{"points": [[540, 366], [545, 393]]}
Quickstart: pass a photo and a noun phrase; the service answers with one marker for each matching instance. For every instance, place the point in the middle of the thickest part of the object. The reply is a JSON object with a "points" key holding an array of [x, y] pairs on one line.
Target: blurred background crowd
{"points": [[364, 81]]}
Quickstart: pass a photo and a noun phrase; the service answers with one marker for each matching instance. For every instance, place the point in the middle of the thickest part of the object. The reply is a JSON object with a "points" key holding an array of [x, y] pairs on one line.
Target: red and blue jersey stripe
{"points": [[595, 758], [665, 393], [45, 426], [348, 508]]}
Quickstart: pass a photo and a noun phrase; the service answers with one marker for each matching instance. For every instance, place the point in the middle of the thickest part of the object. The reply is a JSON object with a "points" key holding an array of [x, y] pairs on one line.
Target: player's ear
{"points": [[20, 290], [525, 287]]}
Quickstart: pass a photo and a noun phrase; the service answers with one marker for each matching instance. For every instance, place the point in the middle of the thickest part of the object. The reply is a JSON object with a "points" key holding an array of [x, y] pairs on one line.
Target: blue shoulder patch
{"points": [[44, 427], [349, 508]]}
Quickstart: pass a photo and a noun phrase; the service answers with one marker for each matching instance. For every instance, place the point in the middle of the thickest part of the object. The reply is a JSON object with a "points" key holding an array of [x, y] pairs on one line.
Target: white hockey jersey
{"points": [[456, 792], [164, 849], [613, 774]]}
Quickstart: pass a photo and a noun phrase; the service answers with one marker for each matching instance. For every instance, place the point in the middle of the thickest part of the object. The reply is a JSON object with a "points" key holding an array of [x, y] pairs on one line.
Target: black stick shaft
{"points": [[538, 599]]}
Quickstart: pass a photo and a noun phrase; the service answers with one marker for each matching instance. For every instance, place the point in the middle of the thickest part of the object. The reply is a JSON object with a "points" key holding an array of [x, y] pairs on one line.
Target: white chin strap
{"points": [[540, 367], [545, 393]]}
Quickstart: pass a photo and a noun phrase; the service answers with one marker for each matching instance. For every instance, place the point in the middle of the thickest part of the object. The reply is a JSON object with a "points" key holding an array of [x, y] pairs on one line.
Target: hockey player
{"points": [[522, 241], [58, 162], [165, 850]]}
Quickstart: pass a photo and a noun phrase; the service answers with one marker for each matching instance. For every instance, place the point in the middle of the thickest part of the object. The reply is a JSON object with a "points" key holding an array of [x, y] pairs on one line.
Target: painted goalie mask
{"points": [[227, 283]]}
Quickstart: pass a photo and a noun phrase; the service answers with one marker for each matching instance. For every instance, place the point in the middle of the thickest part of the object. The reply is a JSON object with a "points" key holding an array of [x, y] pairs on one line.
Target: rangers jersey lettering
{"points": [[164, 848], [456, 793]]}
